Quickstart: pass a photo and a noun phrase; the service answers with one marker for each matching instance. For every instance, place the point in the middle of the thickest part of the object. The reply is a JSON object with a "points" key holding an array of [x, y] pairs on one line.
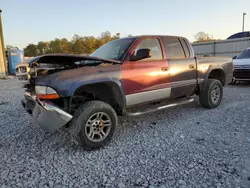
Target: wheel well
{"points": [[217, 74], [108, 92]]}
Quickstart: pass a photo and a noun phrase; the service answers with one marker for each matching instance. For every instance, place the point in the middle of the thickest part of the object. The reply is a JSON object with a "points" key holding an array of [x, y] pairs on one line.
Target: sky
{"points": [[30, 21]]}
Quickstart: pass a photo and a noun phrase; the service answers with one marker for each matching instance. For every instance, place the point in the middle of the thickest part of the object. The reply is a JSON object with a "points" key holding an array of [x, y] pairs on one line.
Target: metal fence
{"points": [[221, 48]]}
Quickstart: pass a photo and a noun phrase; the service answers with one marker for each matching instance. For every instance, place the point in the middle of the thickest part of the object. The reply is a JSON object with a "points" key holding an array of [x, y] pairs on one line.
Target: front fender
{"points": [[117, 88], [79, 84]]}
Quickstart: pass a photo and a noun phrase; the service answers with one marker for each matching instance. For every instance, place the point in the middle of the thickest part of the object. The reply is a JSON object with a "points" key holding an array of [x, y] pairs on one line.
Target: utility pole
{"points": [[243, 25], [3, 66]]}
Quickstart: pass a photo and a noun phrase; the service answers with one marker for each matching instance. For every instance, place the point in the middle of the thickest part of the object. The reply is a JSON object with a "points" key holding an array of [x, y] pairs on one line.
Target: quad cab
{"points": [[146, 73]]}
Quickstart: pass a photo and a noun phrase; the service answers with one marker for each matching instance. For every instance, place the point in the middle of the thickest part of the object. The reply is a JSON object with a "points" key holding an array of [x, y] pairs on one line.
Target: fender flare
{"points": [[118, 89], [203, 84]]}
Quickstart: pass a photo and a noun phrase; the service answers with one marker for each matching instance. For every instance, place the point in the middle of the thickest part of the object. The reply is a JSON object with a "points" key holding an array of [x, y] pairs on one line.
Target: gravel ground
{"points": [[185, 146]]}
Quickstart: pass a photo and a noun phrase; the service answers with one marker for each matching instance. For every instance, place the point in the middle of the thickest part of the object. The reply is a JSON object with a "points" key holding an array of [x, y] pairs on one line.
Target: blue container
{"points": [[15, 57]]}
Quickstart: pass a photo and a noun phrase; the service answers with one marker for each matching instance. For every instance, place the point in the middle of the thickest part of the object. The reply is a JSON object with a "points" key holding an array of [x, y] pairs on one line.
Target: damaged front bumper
{"points": [[47, 115]]}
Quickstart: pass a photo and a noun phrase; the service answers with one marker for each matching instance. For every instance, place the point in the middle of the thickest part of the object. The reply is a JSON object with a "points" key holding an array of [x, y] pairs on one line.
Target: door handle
{"points": [[191, 66], [164, 68]]}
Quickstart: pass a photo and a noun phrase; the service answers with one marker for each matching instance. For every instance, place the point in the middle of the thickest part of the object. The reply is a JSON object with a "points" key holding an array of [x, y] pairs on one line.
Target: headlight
{"points": [[41, 90], [28, 69], [44, 92]]}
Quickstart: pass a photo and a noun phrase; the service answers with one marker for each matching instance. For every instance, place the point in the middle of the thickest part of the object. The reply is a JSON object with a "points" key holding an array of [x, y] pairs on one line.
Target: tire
{"points": [[207, 96], [88, 120]]}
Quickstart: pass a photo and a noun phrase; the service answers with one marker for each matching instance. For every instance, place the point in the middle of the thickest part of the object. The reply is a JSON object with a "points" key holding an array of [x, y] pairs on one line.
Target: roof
{"points": [[155, 36]]}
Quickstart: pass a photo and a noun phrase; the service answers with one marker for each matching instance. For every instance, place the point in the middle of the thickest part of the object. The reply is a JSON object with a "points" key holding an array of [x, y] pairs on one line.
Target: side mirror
{"points": [[141, 54], [234, 57]]}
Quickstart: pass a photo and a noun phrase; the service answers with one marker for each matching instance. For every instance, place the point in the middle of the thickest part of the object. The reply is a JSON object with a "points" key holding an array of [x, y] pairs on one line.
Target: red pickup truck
{"points": [[146, 73]]}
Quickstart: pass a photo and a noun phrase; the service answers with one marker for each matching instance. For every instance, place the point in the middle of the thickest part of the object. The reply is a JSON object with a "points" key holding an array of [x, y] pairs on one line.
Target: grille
{"points": [[237, 66], [241, 73], [242, 66], [246, 66]]}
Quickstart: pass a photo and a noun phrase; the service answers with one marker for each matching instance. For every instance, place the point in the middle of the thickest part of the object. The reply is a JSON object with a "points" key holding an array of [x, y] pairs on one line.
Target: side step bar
{"points": [[185, 101]]}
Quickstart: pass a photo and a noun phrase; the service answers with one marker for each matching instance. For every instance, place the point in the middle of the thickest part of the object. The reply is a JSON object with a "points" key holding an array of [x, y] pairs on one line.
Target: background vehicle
{"points": [[86, 93], [228, 47], [242, 66], [22, 70], [239, 35]]}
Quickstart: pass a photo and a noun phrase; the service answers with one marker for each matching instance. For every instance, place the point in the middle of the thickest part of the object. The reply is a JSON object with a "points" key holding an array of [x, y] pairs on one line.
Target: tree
{"points": [[65, 46], [42, 47], [54, 46], [31, 50], [9, 47], [203, 37], [77, 45], [105, 37], [117, 36]]}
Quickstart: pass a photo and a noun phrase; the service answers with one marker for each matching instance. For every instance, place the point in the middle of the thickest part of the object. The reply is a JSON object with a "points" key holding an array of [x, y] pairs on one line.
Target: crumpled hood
{"points": [[65, 81], [66, 59]]}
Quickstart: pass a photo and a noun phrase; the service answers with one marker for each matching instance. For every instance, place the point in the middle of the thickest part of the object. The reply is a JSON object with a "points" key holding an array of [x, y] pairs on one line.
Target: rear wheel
{"points": [[93, 124], [212, 94]]}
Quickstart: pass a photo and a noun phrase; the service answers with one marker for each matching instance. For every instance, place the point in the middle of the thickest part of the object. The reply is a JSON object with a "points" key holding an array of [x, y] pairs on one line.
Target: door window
{"points": [[152, 44], [173, 48]]}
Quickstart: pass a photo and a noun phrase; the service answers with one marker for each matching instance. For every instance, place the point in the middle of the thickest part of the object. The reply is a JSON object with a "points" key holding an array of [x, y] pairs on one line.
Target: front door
{"points": [[147, 79]]}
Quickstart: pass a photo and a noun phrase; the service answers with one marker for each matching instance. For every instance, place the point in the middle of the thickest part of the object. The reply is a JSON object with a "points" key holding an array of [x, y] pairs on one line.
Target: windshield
{"points": [[115, 50], [245, 54]]}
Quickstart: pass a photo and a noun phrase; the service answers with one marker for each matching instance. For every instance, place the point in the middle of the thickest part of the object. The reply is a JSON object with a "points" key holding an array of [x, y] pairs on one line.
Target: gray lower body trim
{"points": [[147, 96], [183, 83]]}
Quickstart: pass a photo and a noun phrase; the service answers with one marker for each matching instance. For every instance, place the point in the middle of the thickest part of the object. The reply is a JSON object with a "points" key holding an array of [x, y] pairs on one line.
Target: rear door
{"points": [[147, 79], [182, 66]]}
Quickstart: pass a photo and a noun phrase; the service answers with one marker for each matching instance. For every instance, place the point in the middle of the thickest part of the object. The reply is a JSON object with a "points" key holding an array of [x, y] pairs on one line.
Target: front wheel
{"points": [[212, 94], [93, 124]]}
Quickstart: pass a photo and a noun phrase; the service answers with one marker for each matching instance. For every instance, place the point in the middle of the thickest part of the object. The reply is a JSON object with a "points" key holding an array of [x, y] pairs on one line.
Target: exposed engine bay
{"points": [[28, 72]]}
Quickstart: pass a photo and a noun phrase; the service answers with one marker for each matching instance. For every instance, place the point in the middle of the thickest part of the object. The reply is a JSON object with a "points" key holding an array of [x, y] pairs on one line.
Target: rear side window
{"points": [[152, 44], [173, 48], [185, 47]]}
